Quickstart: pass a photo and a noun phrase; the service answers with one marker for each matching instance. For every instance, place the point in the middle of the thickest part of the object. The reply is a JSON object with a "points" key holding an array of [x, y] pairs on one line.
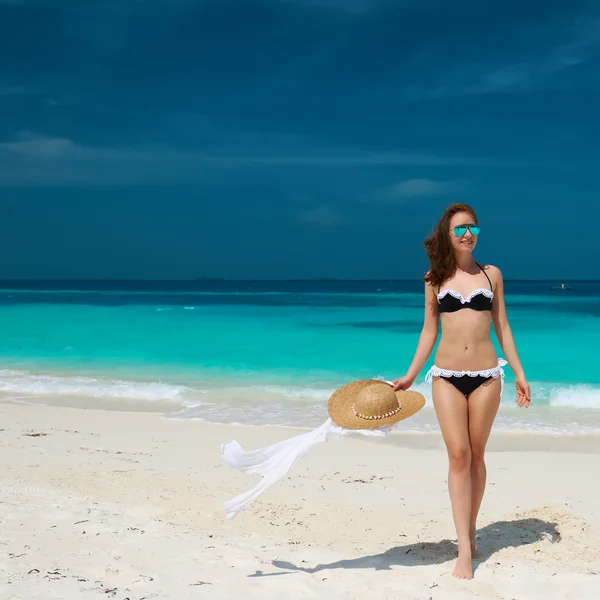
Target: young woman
{"points": [[467, 375]]}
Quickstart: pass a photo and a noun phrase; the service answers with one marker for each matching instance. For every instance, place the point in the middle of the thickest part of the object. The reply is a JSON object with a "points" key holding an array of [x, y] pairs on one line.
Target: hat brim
{"points": [[342, 400]]}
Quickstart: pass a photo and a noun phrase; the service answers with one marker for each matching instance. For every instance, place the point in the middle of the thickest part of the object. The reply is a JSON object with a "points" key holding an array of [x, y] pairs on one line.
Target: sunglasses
{"points": [[460, 230]]}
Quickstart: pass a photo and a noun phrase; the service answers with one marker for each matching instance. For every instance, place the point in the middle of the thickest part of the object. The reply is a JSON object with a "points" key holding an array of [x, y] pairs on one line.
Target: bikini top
{"points": [[479, 299]]}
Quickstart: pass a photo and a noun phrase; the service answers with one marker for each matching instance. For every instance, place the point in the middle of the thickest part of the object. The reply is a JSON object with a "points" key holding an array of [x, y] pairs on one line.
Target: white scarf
{"points": [[273, 462]]}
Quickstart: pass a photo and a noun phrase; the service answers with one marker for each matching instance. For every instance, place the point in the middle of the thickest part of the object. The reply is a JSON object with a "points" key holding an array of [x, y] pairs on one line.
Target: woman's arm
{"points": [[506, 339], [427, 340]]}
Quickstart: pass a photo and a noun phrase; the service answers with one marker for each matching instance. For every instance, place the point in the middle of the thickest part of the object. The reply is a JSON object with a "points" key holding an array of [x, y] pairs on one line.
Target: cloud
{"points": [[33, 159], [535, 67], [421, 188], [31, 146], [411, 189], [13, 90], [324, 216], [352, 6], [58, 4], [351, 159]]}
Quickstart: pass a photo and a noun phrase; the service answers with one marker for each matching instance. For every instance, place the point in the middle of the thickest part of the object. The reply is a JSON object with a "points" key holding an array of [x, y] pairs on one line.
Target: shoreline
{"points": [[94, 500], [588, 443], [499, 441]]}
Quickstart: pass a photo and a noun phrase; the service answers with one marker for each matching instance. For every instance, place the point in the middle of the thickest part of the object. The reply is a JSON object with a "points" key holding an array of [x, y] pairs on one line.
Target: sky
{"points": [[295, 138]]}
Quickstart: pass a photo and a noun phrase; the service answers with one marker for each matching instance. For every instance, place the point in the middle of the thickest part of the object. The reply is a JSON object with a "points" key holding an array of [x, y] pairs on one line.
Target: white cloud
{"points": [[353, 6], [13, 90], [32, 159], [421, 188], [32, 146], [411, 189], [351, 159], [573, 45], [324, 216]]}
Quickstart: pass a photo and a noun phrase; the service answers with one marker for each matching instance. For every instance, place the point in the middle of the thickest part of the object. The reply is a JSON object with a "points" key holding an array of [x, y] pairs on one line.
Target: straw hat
{"points": [[370, 403]]}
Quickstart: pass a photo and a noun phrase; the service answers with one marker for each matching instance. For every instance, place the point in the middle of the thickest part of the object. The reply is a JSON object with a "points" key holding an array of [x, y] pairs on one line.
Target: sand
{"points": [[128, 505]]}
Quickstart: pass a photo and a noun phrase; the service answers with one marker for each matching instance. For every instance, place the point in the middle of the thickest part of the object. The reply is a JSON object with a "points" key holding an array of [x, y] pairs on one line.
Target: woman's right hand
{"points": [[403, 383]]}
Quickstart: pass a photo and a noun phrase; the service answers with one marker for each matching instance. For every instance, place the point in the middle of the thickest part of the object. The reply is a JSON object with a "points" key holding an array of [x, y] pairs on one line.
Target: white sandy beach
{"points": [[125, 505]]}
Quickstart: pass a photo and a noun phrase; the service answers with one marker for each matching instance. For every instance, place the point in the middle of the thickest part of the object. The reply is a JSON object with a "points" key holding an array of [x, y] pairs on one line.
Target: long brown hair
{"points": [[442, 262]]}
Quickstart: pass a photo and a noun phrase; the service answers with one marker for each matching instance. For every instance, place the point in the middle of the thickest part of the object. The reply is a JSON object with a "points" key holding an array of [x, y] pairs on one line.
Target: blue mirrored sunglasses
{"points": [[462, 229]]}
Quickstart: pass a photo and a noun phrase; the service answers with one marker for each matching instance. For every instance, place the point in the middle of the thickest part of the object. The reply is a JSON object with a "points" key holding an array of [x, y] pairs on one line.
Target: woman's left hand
{"points": [[523, 392]]}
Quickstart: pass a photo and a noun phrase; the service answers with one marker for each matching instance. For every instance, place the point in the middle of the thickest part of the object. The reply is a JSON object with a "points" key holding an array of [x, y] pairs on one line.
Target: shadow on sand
{"points": [[490, 539]]}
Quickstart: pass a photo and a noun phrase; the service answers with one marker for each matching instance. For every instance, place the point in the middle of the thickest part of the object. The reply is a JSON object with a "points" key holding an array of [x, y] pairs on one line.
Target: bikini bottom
{"points": [[466, 382]]}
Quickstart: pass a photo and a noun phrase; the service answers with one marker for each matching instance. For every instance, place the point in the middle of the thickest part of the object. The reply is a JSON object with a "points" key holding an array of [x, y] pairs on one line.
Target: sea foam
{"points": [[551, 411], [23, 382]]}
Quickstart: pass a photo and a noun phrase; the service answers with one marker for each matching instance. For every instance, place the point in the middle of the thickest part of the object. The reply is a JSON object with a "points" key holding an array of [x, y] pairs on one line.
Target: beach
{"points": [[229, 224], [115, 399], [128, 504]]}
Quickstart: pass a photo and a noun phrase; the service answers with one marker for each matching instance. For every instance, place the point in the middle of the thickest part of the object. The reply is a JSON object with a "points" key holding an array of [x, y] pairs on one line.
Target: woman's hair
{"points": [[442, 262]]}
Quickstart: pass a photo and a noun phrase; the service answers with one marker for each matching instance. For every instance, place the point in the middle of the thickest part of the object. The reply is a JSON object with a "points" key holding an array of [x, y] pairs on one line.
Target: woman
{"points": [[467, 375]]}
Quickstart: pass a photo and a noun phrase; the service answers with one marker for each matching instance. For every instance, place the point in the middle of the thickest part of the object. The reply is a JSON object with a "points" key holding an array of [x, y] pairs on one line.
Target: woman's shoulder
{"points": [[493, 272], [430, 287], [491, 269], [428, 278]]}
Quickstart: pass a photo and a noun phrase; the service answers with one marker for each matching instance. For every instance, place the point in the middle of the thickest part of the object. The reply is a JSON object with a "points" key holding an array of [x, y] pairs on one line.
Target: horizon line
{"points": [[247, 279]]}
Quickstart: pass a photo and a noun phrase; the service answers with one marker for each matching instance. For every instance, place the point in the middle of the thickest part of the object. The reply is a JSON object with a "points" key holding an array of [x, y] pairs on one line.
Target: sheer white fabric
{"points": [[273, 462]]}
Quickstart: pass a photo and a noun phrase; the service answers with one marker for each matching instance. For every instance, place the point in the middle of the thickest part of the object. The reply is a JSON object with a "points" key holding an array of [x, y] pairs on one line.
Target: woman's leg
{"points": [[452, 413], [482, 406]]}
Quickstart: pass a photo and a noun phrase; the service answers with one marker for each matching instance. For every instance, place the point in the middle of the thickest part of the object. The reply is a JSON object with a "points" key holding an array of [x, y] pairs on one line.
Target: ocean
{"points": [[271, 352]]}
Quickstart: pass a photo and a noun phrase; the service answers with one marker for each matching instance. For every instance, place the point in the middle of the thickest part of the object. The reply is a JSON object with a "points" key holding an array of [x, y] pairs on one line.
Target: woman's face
{"points": [[463, 232]]}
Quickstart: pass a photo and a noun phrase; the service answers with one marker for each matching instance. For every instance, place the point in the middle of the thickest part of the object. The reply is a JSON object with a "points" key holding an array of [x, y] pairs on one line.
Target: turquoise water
{"points": [[272, 352]]}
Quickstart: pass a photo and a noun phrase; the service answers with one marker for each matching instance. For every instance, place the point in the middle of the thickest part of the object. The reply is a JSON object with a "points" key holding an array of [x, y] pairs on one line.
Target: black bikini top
{"points": [[479, 299]]}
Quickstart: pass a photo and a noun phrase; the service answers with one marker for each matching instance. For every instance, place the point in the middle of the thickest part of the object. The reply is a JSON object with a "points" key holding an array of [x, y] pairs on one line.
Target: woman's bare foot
{"points": [[463, 568]]}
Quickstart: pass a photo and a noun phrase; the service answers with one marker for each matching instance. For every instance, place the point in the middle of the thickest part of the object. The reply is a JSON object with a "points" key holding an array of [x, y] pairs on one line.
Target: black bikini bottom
{"points": [[466, 384]]}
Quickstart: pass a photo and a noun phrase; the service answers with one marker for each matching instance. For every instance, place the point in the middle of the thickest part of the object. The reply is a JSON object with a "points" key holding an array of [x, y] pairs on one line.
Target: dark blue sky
{"points": [[295, 138]]}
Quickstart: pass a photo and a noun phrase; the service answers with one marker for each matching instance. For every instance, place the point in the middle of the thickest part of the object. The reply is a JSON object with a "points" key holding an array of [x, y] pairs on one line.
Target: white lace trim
{"points": [[459, 296], [494, 372]]}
